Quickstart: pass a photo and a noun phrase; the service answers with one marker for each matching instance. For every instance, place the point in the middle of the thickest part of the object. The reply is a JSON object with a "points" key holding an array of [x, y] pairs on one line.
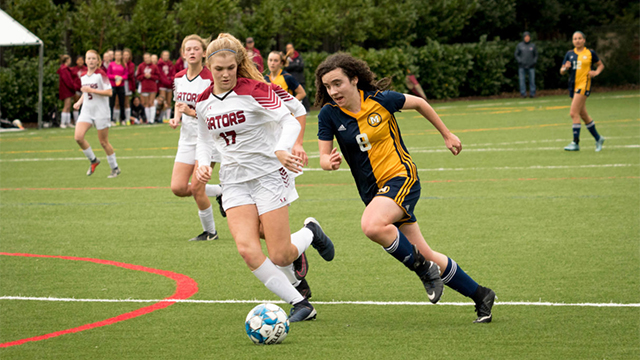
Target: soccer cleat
{"points": [[92, 168], [430, 277], [114, 173], [304, 289], [599, 144], [301, 266], [302, 311], [572, 147], [321, 241], [219, 200], [206, 236], [483, 307]]}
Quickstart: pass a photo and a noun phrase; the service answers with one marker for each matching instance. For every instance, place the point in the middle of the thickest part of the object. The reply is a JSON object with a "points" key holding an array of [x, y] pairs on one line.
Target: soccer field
{"points": [[554, 233]]}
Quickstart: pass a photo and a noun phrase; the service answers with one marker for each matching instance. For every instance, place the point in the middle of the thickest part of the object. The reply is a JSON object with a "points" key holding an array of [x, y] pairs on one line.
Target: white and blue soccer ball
{"points": [[267, 324]]}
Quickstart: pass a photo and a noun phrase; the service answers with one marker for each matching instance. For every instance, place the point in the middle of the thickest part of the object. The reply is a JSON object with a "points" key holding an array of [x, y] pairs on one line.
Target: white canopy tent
{"points": [[12, 33]]}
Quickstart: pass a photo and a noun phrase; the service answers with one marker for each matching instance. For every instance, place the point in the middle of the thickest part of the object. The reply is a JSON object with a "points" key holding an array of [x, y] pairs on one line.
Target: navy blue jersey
{"points": [[370, 141], [285, 81]]}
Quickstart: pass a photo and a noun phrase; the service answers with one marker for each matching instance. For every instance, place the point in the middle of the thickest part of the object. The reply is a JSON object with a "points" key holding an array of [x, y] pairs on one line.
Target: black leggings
{"points": [[117, 91]]}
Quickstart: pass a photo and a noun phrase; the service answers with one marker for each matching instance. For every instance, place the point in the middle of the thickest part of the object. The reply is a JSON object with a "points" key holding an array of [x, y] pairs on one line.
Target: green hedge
{"points": [[477, 69]]}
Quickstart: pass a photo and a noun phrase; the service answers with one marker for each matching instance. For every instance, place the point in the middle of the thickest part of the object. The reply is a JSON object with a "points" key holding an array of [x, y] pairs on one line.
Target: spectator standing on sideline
{"points": [[77, 72], [130, 81], [148, 75], [117, 73], [296, 68], [66, 90], [527, 56], [254, 54], [167, 73], [107, 58]]}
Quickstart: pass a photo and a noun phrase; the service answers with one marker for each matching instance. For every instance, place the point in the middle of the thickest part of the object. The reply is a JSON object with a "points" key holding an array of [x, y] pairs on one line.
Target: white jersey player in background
{"points": [[246, 121], [96, 91], [188, 84]]}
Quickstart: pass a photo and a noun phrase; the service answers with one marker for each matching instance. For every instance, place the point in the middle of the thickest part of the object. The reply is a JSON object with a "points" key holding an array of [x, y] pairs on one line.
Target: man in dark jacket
{"points": [[527, 55], [296, 68]]}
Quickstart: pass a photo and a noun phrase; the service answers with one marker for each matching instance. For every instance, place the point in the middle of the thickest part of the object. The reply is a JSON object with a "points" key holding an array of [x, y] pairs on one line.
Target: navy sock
{"points": [[458, 280], [402, 250], [592, 129], [576, 133]]}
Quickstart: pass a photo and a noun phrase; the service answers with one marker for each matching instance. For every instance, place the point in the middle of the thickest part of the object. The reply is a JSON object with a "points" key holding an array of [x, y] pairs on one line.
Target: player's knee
{"points": [[280, 259], [370, 228], [180, 190], [249, 256]]}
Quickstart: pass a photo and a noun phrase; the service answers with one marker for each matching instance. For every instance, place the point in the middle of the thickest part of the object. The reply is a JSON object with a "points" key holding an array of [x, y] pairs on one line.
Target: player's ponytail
{"points": [[228, 45]]}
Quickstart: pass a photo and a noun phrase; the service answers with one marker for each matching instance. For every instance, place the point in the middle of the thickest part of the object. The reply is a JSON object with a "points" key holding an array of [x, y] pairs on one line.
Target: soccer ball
{"points": [[267, 324]]}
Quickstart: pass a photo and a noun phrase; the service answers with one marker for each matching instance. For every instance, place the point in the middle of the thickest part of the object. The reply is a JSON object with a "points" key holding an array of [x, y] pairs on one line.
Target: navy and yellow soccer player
{"points": [[276, 62], [579, 62], [361, 117]]}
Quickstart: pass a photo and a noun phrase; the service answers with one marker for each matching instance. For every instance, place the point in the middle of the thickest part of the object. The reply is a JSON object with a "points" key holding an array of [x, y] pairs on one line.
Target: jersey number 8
{"points": [[363, 141]]}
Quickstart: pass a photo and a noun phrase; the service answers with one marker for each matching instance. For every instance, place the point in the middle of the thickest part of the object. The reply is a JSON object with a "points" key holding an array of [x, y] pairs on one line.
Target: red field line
{"points": [[185, 288]]}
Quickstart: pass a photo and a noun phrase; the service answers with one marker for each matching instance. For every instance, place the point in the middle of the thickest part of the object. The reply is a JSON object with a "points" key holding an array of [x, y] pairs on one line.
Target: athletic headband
{"points": [[217, 51]]}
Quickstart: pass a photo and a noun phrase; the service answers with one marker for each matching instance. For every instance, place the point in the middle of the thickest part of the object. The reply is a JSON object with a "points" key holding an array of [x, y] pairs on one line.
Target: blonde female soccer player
{"points": [[360, 116], [579, 62], [245, 120], [188, 84], [96, 90]]}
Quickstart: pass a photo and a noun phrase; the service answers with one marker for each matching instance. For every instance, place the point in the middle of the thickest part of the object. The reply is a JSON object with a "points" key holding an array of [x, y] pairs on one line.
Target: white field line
{"points": [[533, 102], [377, 303]]}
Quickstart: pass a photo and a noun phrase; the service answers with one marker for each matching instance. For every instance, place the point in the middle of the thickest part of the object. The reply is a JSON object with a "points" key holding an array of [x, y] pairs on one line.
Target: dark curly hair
{"points": [[351, 67]]}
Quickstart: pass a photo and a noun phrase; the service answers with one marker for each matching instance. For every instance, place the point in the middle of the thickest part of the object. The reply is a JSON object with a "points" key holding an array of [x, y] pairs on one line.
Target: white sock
{"points": [[206, 218], [111, 159], [290, 274], [168, 114], [116, 115], [302, 239], [277, 282], [146, 112], [212, 190], [65, 118], [76, 113], [127, 114], [89, 154], [152, 113]]}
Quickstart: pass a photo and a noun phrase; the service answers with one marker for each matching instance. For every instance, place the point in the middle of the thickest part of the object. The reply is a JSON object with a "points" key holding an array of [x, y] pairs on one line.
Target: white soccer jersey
{"points": [[187, 91], [246, 125], [294, 105], [94, 105]]}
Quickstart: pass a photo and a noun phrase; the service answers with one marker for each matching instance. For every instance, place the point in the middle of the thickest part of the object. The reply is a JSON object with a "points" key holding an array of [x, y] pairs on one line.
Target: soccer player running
{"points": [[188, 84], [96, 90], [359, 115], [579, 63], [254, 131]]}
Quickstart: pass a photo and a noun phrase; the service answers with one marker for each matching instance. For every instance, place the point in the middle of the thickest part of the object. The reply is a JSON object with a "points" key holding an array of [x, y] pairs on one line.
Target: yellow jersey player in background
{"points": [[579, 62]]}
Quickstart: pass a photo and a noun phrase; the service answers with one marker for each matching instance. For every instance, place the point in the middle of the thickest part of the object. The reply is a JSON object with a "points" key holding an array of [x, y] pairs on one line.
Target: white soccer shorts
{"points": [[268, 192]]}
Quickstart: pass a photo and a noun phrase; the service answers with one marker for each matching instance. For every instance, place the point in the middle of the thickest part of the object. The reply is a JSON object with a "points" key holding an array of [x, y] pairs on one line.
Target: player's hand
{"points": [[173, 122], [203, 173], [87, 89], [147, 75], [182, 107], [453, 144], [298, 151], [592, 74], [76, 106], [335, 159], [291, 162]]}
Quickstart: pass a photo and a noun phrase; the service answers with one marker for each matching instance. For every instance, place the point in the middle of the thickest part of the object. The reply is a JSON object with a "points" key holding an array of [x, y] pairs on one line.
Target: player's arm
{"points": [[288, 136], [598, 70], [330, 158], [177, 116], [300, 93], [79, 102], [415, 103], [204, 147], [300, 113]]}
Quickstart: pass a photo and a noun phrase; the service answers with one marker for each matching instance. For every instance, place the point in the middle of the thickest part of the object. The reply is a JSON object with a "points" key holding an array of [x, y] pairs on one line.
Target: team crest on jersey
{"points": [[584, 56], [374, 119], [383, 190]]}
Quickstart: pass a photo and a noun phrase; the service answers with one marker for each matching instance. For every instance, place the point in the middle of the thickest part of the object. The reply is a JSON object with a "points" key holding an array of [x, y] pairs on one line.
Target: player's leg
{"points": [[103, 136], [180, 179], [82, 127], [127, 106], [205, 210], [76, 113], [144, 101], [378, 225], [452, 274], [591, 126], [120, 114], [168, 99], [532, 82], [577, 103]]}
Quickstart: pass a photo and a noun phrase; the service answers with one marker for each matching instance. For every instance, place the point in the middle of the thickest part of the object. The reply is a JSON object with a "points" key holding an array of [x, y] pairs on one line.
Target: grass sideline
{"points": [[518, 213]]}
